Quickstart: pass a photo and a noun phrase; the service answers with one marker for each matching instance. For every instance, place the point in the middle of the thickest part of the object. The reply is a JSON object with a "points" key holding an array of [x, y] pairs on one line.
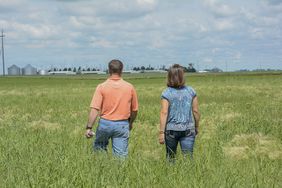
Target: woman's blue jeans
{"points": [[118, 131], [186, 140]]}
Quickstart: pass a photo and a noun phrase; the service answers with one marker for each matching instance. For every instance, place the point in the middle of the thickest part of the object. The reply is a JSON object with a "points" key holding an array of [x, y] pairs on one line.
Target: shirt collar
{"points": [[115, 77]]}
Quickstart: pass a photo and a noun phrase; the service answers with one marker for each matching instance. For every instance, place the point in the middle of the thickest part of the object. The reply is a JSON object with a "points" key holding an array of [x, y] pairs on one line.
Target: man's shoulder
{"points": [[127, 84], [101, 85]]}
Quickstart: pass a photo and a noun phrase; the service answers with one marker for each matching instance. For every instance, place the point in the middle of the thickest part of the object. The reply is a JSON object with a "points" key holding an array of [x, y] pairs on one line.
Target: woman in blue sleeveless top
{"points": [[179, 118]]}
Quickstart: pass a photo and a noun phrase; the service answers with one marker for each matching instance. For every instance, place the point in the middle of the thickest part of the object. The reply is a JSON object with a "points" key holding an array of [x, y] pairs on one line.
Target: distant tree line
{"points": [[74, 69], [215, 69], [257, 70], [189, 68]]}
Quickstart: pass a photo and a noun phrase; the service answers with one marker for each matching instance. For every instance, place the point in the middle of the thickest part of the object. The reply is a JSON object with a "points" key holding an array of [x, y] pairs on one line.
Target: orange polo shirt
{"points": [[115, 99]]}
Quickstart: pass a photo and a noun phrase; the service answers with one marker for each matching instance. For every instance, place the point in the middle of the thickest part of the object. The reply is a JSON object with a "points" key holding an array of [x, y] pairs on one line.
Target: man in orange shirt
{"points": [[115, 101]]}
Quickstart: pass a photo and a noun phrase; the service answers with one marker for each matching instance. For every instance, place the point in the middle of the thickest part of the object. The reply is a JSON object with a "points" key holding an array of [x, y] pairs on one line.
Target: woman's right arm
{"points": [[196, 113], [163, 119]]}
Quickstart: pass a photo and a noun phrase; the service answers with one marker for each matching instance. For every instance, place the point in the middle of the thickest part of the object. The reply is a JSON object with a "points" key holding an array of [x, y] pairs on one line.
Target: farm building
{"points": [[14, 70], [29, 70]]}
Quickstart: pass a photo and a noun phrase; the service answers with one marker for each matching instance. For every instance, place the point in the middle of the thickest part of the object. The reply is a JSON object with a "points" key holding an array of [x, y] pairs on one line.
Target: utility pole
{"points": [[3, 61]]}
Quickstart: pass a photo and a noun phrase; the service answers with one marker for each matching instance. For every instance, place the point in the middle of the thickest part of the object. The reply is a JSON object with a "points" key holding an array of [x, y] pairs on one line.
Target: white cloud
{"points": [[222, 25], [150, 4], [101, 43], [219, 9], [208, 60], [150, 31], [11, 3], [256, 33], [237, 55]]}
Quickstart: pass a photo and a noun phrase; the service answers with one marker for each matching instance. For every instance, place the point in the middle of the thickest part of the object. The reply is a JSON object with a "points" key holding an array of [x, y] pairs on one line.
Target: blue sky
{"points": [[231, 35]]}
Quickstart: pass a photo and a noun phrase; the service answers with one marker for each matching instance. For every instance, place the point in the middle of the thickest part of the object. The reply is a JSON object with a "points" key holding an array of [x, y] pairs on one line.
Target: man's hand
{"points": [[130, 126], [161, 138], [89, 133]]}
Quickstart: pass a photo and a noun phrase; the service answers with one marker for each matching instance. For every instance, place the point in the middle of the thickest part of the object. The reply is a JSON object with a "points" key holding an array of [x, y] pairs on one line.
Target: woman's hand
{"points": [[197, 130], [161, 138]]}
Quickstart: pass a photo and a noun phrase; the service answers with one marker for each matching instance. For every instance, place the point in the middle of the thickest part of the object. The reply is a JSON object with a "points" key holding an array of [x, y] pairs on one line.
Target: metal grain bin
{"points": [[29, 70], [14, 70]]}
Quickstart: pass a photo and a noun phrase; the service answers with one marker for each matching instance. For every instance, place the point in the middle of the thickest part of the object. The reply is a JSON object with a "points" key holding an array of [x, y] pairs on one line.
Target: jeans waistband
{"points": [[122, 120]]}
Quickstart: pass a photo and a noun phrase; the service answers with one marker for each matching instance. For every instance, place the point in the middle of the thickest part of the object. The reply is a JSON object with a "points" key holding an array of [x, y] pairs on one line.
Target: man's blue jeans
{"points": [[118, 131], [185, 138]]}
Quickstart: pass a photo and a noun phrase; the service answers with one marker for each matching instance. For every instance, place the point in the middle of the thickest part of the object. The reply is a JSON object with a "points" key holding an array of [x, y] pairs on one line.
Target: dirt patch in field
{"points": [[78, 131], [252, 145], [208, 129], [12, 92], [44, 125], [230, 116]]}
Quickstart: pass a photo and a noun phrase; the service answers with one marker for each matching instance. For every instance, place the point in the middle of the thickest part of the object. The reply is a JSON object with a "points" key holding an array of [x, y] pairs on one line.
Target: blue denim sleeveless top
{"points": [[180, 116]]}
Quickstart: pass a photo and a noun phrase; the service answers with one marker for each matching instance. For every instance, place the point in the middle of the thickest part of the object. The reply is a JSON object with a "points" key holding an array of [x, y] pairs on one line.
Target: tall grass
{"points": [[42, 124]]}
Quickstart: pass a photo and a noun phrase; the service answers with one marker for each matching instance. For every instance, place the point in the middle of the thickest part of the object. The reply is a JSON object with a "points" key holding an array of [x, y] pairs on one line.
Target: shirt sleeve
{"points": [[97, 99], [134, 101], [165, 95], [193, 92]]}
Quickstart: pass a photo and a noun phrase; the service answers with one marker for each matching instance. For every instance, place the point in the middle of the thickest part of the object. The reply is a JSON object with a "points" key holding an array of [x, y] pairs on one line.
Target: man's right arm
{"points": [[95, 106], [91, 120]]}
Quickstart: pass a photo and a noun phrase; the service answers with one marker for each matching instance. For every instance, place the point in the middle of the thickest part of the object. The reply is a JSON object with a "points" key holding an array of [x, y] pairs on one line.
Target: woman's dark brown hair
{"points": [[115, 67], [175, 76]]}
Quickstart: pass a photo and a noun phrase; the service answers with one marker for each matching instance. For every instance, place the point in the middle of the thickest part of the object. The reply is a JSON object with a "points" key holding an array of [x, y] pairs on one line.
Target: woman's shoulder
{"points": [[188, 87], [190, 90], [166, 90]]}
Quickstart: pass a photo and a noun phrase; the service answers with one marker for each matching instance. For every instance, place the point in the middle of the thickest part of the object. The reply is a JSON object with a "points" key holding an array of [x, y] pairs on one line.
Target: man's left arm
{"points": [[133, 116], [134, 108]]}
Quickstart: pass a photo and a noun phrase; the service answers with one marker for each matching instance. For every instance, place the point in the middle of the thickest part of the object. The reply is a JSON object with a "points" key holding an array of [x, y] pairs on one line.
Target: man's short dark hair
{"points": [[175, 76], [115, 67]]}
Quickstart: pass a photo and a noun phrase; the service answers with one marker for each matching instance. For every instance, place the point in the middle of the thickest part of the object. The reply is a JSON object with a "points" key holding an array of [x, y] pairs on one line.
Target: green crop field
{"points": [[42, 143]]}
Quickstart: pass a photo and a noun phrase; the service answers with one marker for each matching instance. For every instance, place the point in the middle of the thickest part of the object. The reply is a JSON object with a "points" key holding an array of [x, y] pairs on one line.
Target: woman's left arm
{"points": [[196, 113]]}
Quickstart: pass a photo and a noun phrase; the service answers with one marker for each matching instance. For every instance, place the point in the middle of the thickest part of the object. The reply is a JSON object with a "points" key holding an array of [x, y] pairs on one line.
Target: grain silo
{"points": [[14, 70], [29, 70]]}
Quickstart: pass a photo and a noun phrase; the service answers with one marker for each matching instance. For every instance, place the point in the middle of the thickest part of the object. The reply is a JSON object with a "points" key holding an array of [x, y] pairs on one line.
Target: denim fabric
{"points": [[186, 139], [180, 117], [118, 131]]}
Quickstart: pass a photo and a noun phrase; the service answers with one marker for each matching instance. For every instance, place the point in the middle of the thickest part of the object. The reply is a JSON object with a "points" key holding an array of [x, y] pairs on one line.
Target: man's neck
{"points": [[115, 77]]}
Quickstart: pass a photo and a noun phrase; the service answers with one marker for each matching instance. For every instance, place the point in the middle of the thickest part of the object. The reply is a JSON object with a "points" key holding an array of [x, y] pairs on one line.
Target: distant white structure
{"points": [[43, 72], [92, 72], [155, 71], [14, 70], [61, 73], [203, 71], [131, 72], [29, 70]]}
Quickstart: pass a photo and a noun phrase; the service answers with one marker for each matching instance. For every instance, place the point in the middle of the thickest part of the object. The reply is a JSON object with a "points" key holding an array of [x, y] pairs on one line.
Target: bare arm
{"points": [[133, 116], [196, 112], [91, 120], [163, 119]]}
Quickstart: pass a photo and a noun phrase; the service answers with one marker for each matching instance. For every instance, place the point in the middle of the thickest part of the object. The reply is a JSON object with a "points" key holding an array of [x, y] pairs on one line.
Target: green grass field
{"points": [[42, 143]]}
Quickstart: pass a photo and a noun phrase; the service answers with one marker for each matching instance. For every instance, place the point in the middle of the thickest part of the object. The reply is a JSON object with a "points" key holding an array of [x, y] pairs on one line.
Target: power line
{"points": [[3, 59]]}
